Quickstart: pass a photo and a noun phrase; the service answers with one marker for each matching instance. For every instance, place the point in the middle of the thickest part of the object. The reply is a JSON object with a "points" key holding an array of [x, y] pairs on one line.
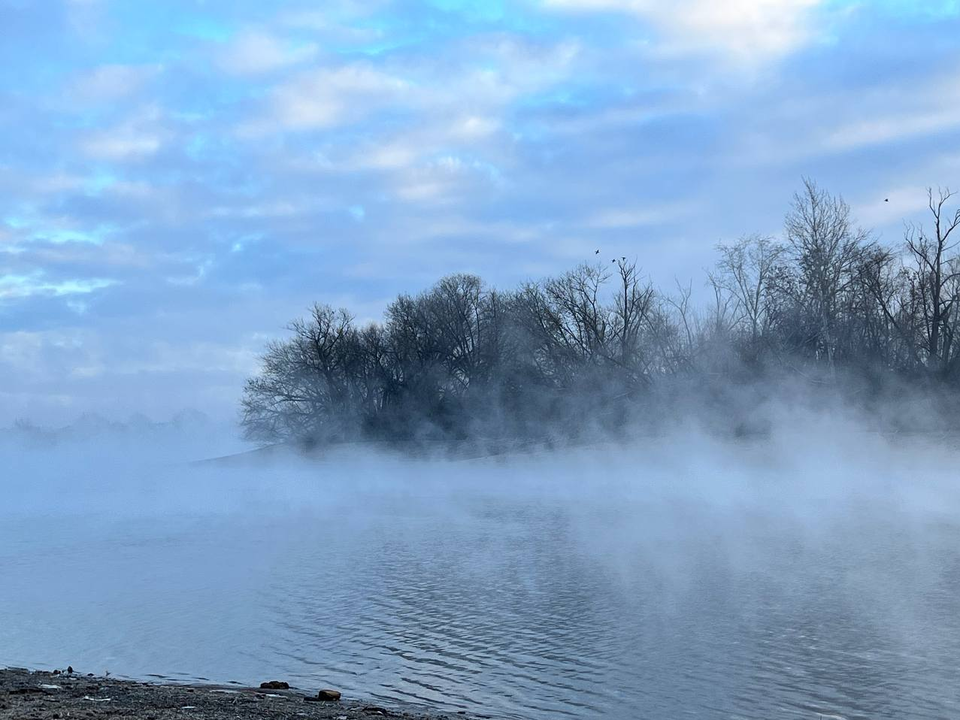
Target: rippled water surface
{"points": [[526, 592]]}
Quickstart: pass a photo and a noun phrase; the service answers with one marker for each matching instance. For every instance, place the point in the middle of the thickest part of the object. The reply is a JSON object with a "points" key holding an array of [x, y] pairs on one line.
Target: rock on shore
{"points": [[49, 696]]}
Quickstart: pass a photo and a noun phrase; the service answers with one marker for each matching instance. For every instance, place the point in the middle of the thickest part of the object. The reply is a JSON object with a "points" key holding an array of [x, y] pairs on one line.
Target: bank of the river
{"points": [[26, 695]]}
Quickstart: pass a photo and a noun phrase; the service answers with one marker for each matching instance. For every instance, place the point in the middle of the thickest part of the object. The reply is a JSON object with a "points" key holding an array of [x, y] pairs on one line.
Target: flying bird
{"points": [[597, 252], [886, 199]]}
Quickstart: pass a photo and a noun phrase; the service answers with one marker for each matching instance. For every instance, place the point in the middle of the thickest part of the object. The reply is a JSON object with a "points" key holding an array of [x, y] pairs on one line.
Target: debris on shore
{"points": [[275, 685], [57, 696]]}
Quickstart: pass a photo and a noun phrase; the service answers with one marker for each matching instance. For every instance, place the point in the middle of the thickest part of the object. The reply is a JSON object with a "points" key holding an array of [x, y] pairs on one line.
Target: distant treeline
{"points": [[592, 348]]}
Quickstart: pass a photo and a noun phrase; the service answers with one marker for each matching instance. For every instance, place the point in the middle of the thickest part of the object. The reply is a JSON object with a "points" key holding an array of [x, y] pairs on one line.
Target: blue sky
{"points": [[179, 179]]}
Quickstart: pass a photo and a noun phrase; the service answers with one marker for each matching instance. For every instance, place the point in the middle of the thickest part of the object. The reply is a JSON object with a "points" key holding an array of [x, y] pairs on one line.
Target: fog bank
{"points": [[809, 568]]}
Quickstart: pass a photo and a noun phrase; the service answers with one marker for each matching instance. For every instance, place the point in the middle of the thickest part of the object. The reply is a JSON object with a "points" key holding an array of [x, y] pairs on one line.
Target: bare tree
{"points": [[576, 312], [462, 361], [633, 303], [745, 274], [935, 281], [307, 386], [888, 324], [826, 249]]}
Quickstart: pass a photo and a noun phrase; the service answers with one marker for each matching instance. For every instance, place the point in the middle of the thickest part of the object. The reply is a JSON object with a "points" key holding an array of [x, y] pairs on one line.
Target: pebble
{"points": [[375, 709], [275, 685]]}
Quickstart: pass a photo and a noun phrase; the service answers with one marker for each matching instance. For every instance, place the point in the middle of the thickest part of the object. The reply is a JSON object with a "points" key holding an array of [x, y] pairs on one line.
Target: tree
{"points": [[590, 347], [826, 250], [633, 312], [935, 283], [310, 386], [746, 273]]}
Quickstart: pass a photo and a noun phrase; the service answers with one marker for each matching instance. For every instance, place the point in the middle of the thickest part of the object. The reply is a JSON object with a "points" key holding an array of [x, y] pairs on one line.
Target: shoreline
{"points": [[59, 695]]}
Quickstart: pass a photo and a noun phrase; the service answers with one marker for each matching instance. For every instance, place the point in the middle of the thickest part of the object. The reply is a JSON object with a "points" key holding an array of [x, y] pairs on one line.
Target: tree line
{"points": [[594, 348]]}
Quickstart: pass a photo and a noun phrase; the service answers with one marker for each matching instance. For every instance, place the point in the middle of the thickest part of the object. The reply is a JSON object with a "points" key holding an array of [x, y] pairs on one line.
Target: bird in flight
{"points": [[597, 252]]}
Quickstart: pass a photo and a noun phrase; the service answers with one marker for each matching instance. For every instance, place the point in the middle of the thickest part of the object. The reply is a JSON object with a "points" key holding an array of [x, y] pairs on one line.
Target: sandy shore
{"points": [[26, 695]]}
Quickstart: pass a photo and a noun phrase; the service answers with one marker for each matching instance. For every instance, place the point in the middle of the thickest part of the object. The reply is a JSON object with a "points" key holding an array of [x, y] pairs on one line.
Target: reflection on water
{"points": [[507, 606]]}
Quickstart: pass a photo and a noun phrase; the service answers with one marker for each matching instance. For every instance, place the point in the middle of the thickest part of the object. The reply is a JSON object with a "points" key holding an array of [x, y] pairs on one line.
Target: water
{"points": [[525, 592]]}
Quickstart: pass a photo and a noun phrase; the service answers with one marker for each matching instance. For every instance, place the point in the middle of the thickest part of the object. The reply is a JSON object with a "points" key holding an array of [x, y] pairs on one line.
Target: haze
{"points": [[812, 571]]}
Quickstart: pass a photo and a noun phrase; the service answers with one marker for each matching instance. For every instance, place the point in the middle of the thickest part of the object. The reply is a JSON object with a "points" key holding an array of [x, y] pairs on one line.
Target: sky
{"points": [[180, 179]]}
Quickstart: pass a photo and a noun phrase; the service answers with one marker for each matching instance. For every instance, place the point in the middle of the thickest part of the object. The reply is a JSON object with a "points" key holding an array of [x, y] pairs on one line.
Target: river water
{"points": [[730, 582]]}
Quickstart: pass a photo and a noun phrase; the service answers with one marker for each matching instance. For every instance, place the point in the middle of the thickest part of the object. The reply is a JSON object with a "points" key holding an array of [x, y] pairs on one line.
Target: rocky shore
{"points": [[63, 695]]}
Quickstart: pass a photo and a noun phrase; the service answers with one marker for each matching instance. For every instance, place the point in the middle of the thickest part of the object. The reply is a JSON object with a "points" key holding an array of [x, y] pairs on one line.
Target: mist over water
{"points": [[812, 570]]}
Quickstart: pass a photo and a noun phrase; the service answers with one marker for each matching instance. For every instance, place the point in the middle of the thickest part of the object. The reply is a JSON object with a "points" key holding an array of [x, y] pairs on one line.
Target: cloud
{"points": [[810, 123], [138, 137], [55, 229], [109, 83], [895, 205], [121, 144], [255, 52], [897, 111], [894, 126], [388, 155], [166, 357], [633, 217], [473, 127], [460, 94], [151, 157], [23, 352], [336, 23], [328, 97], [14, 287], [86, 18], [58, 182], [745, 31]]}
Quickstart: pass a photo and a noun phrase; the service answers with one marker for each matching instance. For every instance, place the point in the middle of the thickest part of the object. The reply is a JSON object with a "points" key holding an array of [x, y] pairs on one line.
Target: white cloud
{"points": [[23, 352], [492, 71], [122, 146], [273, 210], [55, 227], [110, 82], [891, 208], [744, 30], [410, 150], [620, 218], [14, 287], [325, 98], [442, 180], [200, 266], [56, 183], [257, 52], [389, 155], [898, 125], [473, 127], [459, 97], [851, 119], [138, 137], [86, 19], [165, 357]]}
